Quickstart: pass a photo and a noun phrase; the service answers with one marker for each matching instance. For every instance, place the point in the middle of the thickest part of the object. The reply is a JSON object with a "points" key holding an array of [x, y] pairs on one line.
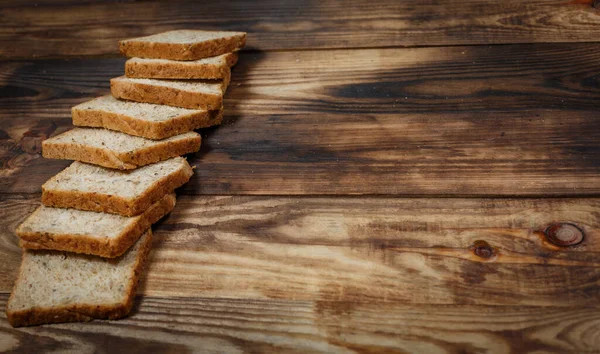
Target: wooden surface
{"points": [[382, 181], [516, 120], [362, 249], [338, 274], [232, 325], [68, 28]]}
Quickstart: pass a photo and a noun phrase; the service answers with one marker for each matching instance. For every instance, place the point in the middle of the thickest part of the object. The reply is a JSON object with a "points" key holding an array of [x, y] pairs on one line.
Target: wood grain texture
{"points": [[71, 29], [362, 250], [278, 273], [196, 324], [462, 121]]}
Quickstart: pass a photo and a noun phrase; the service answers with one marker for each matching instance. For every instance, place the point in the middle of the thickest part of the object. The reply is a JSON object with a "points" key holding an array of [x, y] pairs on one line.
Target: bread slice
{"points": [[193, 94], [208, 68], [117, 150], [183, 44], [147, 120], [128, 193], [89, 232], [56, 286]]}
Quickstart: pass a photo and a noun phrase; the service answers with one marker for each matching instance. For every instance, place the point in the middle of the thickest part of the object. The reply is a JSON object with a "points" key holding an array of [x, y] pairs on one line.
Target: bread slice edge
{"points": [[121, 88], [179, 70], [83, 312], [110, 203], [86, 244], [182, 51], [155, 130], [120, 160]]}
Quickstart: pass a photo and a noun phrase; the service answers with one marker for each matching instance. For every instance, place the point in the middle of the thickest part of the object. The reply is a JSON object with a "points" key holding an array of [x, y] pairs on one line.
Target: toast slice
{"points": [[88, 187], [192, 94], [147, 120], [117, 150], [56, 286], [183, 44], [208, 68], [88, 232]]}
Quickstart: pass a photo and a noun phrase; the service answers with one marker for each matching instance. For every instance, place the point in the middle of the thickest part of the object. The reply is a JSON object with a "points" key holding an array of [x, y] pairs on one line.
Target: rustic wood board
{"points": [[232, 325], [362, 249], [336, 274], [458, 121], [67, 28], [314, 221]]}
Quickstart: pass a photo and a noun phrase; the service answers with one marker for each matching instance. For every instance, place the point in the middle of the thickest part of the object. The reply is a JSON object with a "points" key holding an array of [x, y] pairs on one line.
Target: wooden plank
{"points": [[4, 4], [94, 29], [362, 250], [239, 325], [462, 121]]}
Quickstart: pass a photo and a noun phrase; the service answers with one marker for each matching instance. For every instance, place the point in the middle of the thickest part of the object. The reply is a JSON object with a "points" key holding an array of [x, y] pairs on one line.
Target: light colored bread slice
{"points": [[89, 232], [128, 193], [56, 286], [117, 150], [183, 44], [193, 94], [208, 68], [147, 120]]}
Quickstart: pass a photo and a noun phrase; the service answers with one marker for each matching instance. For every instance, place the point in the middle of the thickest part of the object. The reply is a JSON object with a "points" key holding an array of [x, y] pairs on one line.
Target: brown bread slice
{"points": [[208, 68], [192, 94], [183, 44], [117, 150], [56, 286], [147, 120], [128, 193], [89, 232]]}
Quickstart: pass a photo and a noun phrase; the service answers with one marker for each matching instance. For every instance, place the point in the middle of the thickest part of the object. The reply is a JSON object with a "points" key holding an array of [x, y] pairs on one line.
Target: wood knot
{"points": [[482, 249], [564, 234], [31, 142]]}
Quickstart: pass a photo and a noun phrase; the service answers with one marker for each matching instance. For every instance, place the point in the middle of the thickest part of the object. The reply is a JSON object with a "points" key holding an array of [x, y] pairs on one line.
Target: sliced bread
{"points": [[193, 94], [147, 120], [129, 193], [117, 150], [208, 68], [56, 286], [89, 232], [183, 44]]}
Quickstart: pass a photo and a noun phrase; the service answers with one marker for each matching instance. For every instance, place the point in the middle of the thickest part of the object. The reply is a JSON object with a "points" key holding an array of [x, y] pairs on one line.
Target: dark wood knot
{"points": [[564, 234], [482, 249]]}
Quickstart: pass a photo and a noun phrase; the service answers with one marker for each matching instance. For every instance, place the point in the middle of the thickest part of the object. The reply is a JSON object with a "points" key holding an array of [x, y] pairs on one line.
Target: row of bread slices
{"points": [[87, 244]]}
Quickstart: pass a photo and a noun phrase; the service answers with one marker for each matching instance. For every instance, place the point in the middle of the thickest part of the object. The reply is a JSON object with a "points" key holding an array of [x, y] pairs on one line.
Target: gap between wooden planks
{"points": [[517, 120], [65, 28], [361, 250]]}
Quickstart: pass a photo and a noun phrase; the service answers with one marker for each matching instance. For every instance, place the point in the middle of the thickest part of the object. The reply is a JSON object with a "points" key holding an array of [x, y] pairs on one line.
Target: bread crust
{"points": [[110, 203], [215, 120], [112, 248], [119, 160], [81, 312], [144, 128], [141, 92], [226, 81], [182, 51], [232, 58], [180, 70]]}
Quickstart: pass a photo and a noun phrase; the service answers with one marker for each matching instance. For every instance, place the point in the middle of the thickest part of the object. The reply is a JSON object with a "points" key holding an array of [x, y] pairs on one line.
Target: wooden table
{"points": [[383, 179]]}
